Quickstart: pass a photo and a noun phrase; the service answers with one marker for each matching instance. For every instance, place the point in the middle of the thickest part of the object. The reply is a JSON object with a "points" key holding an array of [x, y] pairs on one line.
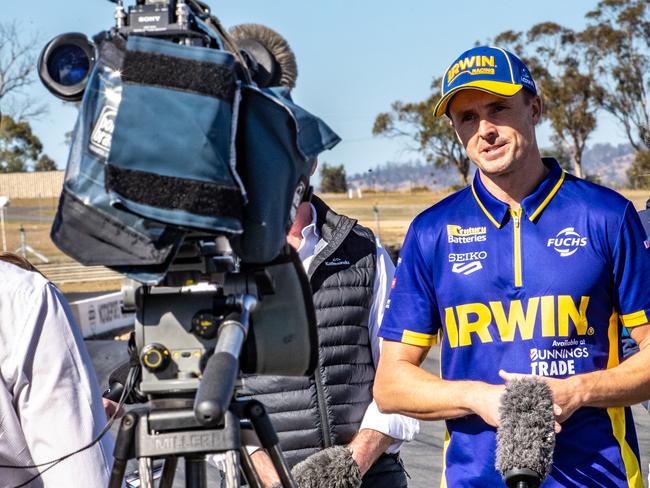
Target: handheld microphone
{"points": [[526, 437], [330, 468]]}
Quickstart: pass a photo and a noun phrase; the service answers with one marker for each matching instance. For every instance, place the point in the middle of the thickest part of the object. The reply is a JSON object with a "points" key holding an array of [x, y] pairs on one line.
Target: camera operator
{"points": [[350, 274], [49, 398]]}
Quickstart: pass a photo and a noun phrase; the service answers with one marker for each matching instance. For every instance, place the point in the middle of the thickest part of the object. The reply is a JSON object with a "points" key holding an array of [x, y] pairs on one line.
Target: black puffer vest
{"points": [[326, 409]]}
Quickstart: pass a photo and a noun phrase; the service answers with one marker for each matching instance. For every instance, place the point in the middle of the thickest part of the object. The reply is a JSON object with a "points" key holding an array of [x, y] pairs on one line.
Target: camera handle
{"points": [[220, 374]]}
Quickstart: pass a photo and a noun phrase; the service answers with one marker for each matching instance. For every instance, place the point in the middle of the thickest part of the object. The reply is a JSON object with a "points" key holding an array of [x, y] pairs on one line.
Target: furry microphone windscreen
{"points": [[330, 468], [526, 437], [276, 45]]}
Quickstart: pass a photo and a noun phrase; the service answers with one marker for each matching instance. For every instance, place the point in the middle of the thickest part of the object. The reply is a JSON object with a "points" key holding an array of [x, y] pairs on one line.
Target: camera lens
{"points": [[68, 65], [64, 65]]}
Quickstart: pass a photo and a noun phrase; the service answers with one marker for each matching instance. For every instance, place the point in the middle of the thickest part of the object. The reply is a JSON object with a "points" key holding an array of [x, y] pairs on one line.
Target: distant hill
{"points": [[607, 162], [393, 176]]}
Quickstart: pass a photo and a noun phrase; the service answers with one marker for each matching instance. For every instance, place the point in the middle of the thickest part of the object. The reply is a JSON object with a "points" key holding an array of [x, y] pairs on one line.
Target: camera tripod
{"points": [[190, 418], [170, 433]]}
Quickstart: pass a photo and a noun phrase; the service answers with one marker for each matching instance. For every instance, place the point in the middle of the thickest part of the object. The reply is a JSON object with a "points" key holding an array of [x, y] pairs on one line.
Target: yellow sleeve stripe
{"points": [[418, 338], [634, 319]]}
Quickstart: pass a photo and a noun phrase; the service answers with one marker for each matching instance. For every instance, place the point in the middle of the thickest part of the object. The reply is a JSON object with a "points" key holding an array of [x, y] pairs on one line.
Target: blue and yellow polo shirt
{"points": [[544, 290]]}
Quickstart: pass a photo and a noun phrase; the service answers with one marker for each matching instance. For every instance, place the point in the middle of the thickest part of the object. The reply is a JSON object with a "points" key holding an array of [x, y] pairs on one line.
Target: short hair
{"points": [[528, 96], [19, 261]]}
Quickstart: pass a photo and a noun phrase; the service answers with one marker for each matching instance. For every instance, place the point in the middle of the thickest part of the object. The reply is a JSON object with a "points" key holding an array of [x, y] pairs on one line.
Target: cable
{"points": [[129, 384]]}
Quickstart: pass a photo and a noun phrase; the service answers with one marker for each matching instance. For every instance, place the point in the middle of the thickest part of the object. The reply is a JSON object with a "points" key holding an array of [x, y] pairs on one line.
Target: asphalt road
{"points": [[422, 457]]}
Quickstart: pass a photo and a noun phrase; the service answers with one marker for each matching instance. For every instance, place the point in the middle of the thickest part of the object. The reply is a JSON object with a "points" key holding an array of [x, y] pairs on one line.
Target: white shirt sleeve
{"points": [[398, 427], [56, 399]]}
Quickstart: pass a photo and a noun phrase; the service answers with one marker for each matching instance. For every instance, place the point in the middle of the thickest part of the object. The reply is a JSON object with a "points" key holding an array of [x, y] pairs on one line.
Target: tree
{"points": [[554, 55], [434, 137], [618, 42], [19, 147], [17, 70], [44, 163], [639, 172], [333, 179]]}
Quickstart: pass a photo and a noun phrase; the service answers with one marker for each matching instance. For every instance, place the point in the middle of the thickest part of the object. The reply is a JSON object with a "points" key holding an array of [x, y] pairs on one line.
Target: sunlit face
{"points": [[498, 133]]}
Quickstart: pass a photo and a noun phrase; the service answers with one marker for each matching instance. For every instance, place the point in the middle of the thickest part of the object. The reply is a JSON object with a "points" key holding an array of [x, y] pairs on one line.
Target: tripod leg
{"points": [[231, 474], [123, 448], [248, 468], [195, 472], [167, 479], [269, 439], [144, 468]]}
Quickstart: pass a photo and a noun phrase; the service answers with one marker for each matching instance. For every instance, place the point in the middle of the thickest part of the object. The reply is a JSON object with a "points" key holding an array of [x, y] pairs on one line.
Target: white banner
{"points": [[101, 314]]}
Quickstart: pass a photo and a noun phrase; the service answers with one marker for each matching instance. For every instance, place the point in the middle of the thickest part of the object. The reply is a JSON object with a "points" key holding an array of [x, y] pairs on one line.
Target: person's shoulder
{"points": [[594, 197], [18, 282], [437, 214]]}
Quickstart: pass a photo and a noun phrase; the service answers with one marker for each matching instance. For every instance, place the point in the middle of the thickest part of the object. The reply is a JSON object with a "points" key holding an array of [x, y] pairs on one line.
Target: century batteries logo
{"points": [[464, 235], [472, 65], [567, 242], [560, 360]]}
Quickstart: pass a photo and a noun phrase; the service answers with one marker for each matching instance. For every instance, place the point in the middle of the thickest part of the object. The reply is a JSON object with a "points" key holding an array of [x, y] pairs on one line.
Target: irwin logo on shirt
{"points": [[547, 316], [463, 235]]}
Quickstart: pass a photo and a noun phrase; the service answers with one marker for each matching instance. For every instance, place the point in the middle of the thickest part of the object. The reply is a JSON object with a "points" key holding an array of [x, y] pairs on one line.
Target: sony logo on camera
{"points": [[154, 16]]}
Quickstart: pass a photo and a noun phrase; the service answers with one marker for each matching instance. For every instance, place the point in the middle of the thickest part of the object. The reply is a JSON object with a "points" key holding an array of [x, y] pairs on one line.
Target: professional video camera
{"points": [[187, 165]]}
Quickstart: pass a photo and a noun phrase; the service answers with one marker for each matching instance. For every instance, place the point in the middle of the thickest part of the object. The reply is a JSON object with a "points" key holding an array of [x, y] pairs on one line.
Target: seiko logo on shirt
{"points": [[467, 256], [567, 242], [467, 262], [337, 262], [466, 268], [464, 235]]}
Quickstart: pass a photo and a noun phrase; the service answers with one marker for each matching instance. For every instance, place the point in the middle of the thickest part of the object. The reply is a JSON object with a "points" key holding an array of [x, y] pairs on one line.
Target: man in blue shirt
{"points": [[527, 271]]}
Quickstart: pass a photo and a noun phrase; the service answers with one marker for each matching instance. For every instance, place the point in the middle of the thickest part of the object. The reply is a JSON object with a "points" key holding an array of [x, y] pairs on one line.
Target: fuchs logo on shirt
{"points": [[337, 262], [546, 316], [567, 242], [464, 235]]}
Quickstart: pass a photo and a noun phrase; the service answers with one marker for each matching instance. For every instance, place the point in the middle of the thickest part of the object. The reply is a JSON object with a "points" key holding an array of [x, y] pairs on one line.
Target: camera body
{"points": [[184, 170]]}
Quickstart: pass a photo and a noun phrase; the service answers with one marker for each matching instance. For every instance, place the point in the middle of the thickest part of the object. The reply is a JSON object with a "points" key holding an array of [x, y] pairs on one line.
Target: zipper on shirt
{"points": [[516, 220], [324, 420]]}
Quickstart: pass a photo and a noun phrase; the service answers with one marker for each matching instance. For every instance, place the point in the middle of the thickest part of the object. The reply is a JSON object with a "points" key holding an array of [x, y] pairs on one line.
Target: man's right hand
{"points": [[484, 400]]}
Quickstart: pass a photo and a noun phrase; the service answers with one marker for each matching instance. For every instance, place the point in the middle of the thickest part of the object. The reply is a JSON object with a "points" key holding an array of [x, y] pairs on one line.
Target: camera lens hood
{"points": [[64, 65]]}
